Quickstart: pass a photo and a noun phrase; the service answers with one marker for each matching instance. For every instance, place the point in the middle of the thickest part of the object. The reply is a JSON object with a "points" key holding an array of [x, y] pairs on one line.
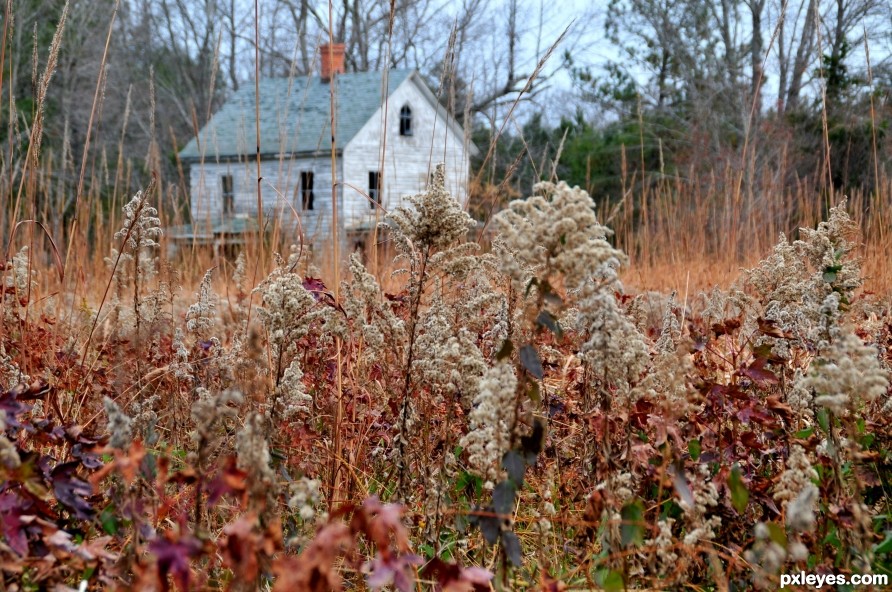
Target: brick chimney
{"points": [[332, 60]]}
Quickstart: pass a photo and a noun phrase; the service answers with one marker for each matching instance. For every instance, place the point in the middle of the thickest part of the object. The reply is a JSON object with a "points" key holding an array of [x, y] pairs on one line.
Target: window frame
{"points": [[307, 191], [406, 127], [375, 189], [228, 206]]}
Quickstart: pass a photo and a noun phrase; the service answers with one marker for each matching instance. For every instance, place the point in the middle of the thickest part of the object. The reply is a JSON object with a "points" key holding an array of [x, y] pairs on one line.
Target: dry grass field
{"points": [[685, 389], [546, 413]]}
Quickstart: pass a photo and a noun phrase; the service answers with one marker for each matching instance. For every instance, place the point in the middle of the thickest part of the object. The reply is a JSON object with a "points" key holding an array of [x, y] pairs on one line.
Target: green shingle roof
{"points": [[294, 115]]}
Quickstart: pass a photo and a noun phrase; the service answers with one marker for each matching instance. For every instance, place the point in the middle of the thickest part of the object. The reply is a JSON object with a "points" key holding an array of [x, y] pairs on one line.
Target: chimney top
{"points": [[332, 60]]}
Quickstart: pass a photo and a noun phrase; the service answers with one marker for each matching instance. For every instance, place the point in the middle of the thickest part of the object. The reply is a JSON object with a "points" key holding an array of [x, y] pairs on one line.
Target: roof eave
{"points": [[218, 158]]}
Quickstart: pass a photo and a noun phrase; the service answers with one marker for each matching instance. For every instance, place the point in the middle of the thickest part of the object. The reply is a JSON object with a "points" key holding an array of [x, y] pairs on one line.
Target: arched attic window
{"points": [[406, 121]]}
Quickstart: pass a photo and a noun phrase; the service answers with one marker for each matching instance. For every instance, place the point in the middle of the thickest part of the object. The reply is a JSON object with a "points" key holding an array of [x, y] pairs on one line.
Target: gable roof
{"points": [[294, 116]]}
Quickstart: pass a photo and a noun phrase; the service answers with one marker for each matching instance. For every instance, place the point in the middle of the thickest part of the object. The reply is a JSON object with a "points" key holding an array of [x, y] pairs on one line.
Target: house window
{"points": [[306, 190], [406, 121], [374, 189], [228, 195]]}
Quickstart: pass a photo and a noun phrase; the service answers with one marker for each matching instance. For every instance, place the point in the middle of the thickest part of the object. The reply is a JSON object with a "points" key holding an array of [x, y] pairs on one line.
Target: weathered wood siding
{"points": [[408, 160], [280, 192]]}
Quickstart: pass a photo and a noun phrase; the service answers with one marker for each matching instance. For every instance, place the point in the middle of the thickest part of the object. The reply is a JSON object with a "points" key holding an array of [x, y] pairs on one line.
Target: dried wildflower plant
{"points": [[10, 373], [615, 351], [141, 227], [134, 262], [793, 284], [491, 421], [556, 231], [847, 375], [290, 398], [449, 363], [798, 474], [254, 457], [305, 495], [208, 411], [430, 236], [120, 425], [373, 321], [200, 315], [434, 221], [19, 282], [287, 311]]}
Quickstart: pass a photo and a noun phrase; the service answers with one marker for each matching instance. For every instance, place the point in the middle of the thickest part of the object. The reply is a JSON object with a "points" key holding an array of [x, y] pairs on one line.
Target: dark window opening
{"points": [[228, 195], [306, 190], [406, 121], [374, 189]]}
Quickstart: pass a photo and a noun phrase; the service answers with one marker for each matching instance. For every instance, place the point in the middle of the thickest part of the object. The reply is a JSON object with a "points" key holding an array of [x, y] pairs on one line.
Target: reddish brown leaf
{"points": [[751, 440], [240, 546], [173, 554], [230, 481], [758, 374]]}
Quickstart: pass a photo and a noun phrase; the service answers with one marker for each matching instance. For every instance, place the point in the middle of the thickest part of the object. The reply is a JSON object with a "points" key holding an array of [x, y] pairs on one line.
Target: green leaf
{"points": [[804, 434], [823, 417], [108, 520], [831, 272], [506, 350], [739, 494], [694, 449], [632, 527], [833, 539], [612, 581], [529, 357], [533, 392], [466, 481], [777, 534], [885, 547]]}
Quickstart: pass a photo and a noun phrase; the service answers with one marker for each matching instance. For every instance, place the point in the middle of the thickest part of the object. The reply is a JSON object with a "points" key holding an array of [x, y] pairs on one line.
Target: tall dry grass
{"points": [[681, 233], [686, 232]]}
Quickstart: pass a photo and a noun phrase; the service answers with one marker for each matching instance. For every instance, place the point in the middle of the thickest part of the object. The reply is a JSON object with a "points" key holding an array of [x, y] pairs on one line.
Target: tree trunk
{"points": [[806, 45], [756, 8]]}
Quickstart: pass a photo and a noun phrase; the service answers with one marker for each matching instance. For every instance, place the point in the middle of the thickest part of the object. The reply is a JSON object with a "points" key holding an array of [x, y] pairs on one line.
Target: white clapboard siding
{"points": [[408, 160], [279, 190]]}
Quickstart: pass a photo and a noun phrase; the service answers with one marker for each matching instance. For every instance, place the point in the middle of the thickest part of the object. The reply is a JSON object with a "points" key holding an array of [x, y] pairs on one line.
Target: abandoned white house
{"points": [[386, 145]]}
